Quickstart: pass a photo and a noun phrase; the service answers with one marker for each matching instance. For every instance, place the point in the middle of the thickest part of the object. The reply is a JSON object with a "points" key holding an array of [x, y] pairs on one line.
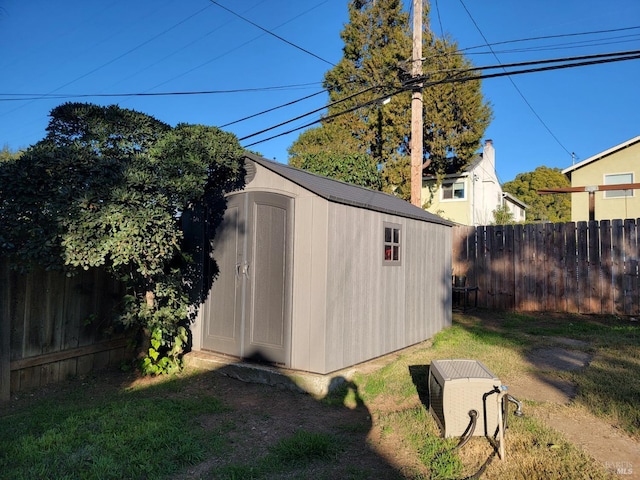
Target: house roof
{"points": [[347, 194], [452, 172], [600, 155], [514, 199]]}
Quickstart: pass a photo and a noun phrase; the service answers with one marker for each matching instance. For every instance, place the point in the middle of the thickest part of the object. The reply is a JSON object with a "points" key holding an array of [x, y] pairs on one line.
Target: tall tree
{"points": [[375, 64], [542, 208], [456, 114], [7, 154], [325, 155], [106, 188], [377, 43]]}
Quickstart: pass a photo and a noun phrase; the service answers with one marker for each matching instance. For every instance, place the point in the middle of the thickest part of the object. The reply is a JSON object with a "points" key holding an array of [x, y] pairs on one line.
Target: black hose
{"points": [[468, 433], [484, 466]]}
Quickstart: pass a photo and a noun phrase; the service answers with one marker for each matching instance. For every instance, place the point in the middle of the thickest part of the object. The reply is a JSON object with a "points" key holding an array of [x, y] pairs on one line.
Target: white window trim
{"points": [[463, 181], [400, 245], [605, 195]]}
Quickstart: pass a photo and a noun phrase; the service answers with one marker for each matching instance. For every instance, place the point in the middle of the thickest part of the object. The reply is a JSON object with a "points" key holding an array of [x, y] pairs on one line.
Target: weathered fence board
{"points": [[617, 247], [5, 335], [583, 267], [606, 263], [54, 326]]}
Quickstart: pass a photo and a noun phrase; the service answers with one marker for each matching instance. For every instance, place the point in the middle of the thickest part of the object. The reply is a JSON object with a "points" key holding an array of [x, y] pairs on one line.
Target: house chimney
{"points": [[489, 154]]}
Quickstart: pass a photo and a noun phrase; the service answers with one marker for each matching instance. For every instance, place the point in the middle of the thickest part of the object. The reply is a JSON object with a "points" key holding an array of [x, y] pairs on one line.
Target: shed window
{"points": [[453, 190], [615, 179], [392, 239]]}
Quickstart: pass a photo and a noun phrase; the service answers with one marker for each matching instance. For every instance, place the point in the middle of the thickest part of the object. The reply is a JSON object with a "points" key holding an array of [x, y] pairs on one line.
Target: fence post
{"points": [[5, 332]]}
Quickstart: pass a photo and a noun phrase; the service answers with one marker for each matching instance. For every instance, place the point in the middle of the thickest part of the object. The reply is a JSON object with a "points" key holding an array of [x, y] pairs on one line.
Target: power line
{"points": [[47, 96], [184, 47], [616, 56], [591, 60], [625, 55], [217, 57], [323, 119], [535, 113], [348, 97], [273, 109], [553, 46], [439, 19], [119, 56], [456, 76], [274, 34], [568, 45], [546, 37]]}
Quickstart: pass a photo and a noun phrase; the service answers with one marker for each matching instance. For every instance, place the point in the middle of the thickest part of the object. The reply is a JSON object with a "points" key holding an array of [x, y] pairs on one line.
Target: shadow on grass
{"points": [[594, 359], [420, 377], [112, 425]]}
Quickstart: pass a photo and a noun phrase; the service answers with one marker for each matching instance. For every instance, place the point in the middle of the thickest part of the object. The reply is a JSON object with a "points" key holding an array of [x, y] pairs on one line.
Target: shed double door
{"points": [[247, 312]]}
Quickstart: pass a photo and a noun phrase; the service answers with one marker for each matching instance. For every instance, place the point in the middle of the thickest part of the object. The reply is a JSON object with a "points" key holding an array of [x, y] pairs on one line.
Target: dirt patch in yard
{"points": [[616, 450], [544, 385]]}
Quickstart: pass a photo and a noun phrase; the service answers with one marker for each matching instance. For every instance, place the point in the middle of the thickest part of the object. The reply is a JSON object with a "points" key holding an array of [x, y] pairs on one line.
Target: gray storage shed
{"points": [[319, 275]]}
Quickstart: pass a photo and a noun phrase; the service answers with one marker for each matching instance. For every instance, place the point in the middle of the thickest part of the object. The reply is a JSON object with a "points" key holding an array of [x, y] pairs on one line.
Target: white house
{"points": [[471, 196]]}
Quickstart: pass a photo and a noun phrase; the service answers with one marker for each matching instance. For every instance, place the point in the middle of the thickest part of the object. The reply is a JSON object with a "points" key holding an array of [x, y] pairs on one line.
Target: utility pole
{"points": [[416, 108]]}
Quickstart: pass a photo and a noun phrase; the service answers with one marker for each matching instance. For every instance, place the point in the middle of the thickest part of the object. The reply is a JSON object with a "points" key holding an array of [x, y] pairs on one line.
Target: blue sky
{"points": [[68, 48]]}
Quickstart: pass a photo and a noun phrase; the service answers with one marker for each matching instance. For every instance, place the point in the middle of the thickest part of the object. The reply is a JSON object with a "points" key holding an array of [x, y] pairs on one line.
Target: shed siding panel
{"points": [[309, 284], [374, 309], [428, 285]]}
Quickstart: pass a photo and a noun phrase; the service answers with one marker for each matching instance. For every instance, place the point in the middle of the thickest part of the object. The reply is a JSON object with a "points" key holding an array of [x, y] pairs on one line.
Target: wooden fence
{"points": [[583, 267], [53, 326]]}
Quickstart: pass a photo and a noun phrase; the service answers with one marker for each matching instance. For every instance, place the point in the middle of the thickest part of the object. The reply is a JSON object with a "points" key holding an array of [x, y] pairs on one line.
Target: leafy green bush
{"points": [[107, 187]]}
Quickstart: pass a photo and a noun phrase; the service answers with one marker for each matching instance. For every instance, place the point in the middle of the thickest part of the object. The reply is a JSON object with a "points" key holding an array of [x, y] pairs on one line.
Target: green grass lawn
{"points": [[86, 432], [136, 434]]}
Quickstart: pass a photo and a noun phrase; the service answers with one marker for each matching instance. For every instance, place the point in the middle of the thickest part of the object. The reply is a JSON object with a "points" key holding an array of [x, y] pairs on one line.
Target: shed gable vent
{"points": [[249, 171]]}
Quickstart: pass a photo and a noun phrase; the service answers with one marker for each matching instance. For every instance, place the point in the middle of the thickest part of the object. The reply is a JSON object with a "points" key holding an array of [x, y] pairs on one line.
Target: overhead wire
{"points": [[348, 97], [561, 46], [589, 60], [625, 54], [274, 34], [131, 50], [327, 118], [217, 57], [547, 37], [272, 109], [526, 101], [187, 45], [40, 96], [439, 19], [304, 50]]}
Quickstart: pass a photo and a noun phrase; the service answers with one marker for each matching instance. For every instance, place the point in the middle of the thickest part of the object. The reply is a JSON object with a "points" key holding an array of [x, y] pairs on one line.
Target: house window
{"points": [[614, 179], [453, 190], [392, 244]]}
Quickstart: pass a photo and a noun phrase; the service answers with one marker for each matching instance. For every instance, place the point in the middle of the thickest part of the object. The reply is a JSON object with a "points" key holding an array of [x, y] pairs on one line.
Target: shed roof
{"points": [[348, 194]]}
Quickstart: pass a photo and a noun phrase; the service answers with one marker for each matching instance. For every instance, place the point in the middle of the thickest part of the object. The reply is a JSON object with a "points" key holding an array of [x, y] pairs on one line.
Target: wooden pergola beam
{"points": [[591, 190]]}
